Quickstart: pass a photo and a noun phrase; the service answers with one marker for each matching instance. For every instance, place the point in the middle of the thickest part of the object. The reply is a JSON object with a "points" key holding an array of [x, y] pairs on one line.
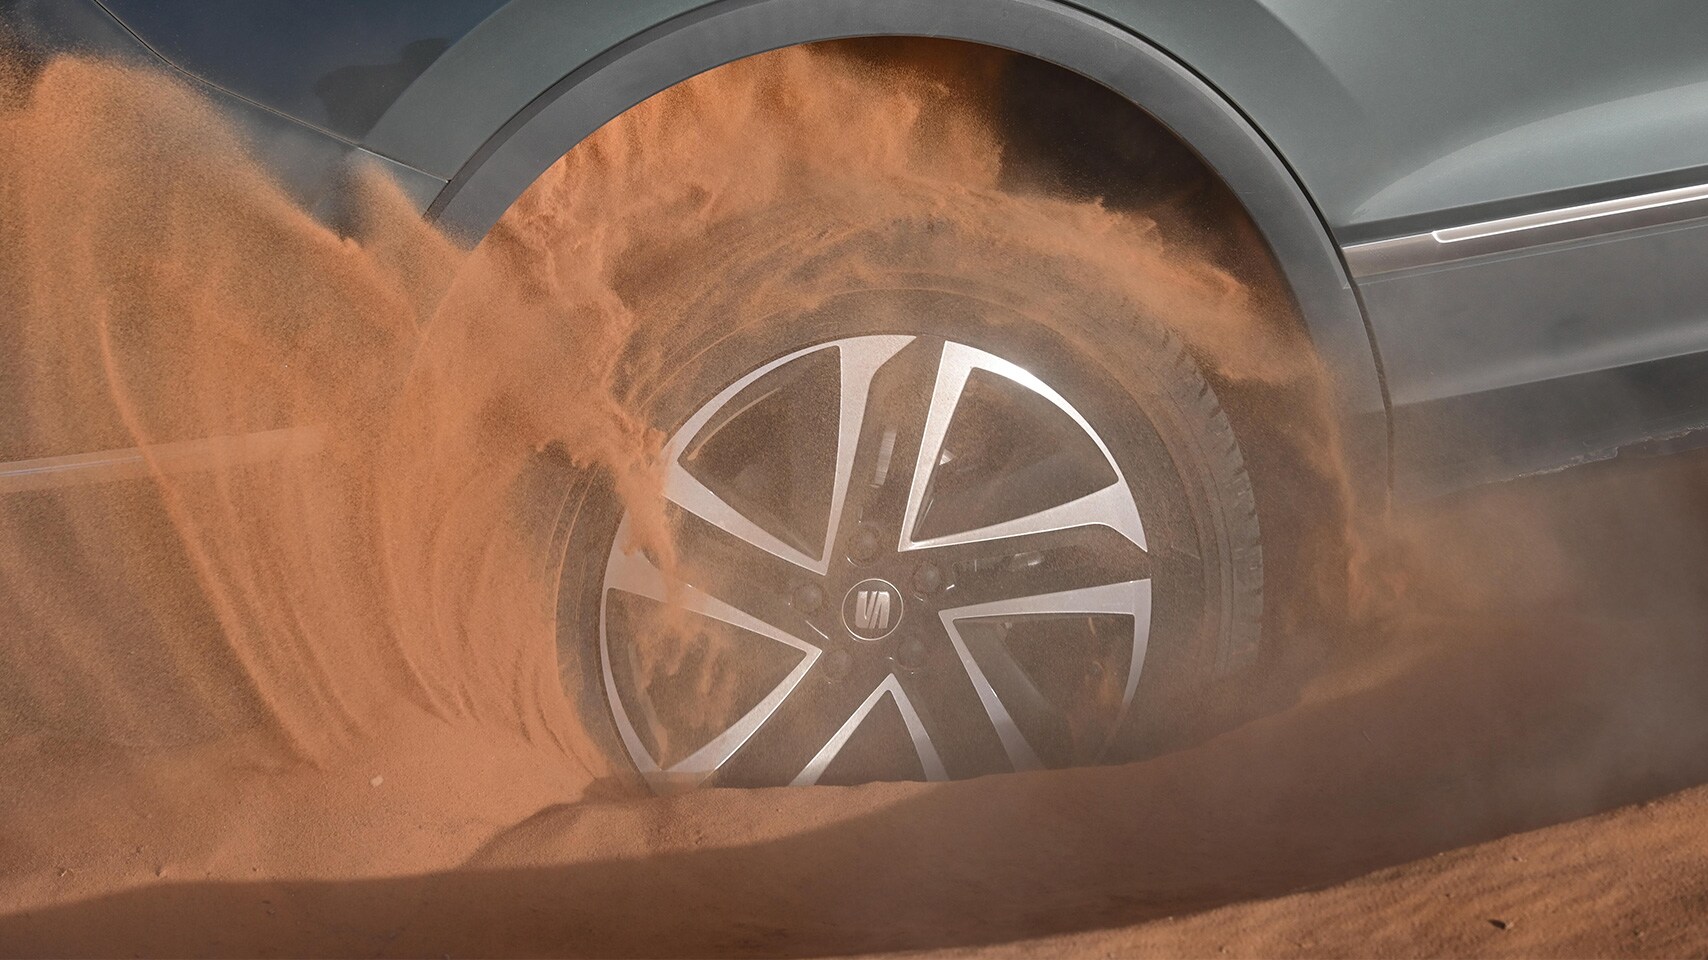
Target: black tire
{"points": [[763, 288]]}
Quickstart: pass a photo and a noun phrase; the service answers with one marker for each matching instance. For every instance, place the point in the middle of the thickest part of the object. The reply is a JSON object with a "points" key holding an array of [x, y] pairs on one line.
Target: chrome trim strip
{"points": [[1509, 234], [184, 456]]}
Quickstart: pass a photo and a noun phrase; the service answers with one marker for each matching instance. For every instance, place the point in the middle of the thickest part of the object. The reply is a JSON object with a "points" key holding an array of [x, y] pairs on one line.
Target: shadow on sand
{"points": [[1466, 727]]}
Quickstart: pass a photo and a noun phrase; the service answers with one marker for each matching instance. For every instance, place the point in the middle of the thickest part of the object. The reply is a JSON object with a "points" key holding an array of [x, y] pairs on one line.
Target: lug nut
{"points": [[809, 597], [863, 546], [837, 664], [911, 654], [927, 579]]}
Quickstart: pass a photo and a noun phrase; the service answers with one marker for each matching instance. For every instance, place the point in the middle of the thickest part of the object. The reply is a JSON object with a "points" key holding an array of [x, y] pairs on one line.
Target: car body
{"points": [[1488, 219], [1491, 215]]}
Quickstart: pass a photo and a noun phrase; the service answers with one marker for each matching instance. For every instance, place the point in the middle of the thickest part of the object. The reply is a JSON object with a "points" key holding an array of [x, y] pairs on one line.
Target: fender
{"points": [[557, 118]]}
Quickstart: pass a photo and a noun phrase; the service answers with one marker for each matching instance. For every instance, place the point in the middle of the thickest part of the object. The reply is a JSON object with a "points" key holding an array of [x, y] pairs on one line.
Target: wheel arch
{"points": [[656, 58]]}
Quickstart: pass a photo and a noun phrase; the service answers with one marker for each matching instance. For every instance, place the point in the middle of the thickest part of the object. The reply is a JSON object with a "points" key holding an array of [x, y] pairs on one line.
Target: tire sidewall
{"points": [[1131, 380]]}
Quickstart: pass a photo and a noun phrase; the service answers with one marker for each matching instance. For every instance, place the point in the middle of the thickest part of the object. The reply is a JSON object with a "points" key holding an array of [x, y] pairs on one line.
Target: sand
{"points": [[327, 718], [1625, 884], [1418, 794]]}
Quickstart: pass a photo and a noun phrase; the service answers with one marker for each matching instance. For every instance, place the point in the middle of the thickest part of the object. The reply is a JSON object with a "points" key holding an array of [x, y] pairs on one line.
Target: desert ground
{"points": [[324, 722], [1521, 779]]}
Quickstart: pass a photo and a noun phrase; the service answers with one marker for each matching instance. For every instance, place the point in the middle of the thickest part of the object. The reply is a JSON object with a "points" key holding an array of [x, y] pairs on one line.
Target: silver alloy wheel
{"points": [[938, 595]]}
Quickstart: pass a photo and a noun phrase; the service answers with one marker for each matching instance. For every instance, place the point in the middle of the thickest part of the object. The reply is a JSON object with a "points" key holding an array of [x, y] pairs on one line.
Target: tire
{"points": [[799, 279]]}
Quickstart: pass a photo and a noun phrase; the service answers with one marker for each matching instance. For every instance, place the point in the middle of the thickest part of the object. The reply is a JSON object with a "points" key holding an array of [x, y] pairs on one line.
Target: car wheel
{"points": [[944, 506]]}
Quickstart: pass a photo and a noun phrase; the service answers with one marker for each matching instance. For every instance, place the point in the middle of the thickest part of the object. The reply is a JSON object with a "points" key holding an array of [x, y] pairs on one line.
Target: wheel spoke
{"points": [[858, 360], [633, 572], [740, 573], [922, 745], [878, 444], [1132, 598], [950, 707], [1036, 563], [1111, 506], [797, 730]]}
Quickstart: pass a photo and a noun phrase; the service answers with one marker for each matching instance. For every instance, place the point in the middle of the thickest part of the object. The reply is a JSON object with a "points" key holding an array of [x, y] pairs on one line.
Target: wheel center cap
{"points": [[872, 609]]}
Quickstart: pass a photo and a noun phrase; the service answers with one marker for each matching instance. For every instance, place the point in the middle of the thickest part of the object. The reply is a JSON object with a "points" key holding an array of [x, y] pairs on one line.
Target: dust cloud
{"points": [[300, 694]]}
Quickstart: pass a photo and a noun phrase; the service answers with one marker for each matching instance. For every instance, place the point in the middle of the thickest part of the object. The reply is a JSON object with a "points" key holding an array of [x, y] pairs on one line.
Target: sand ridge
{"points": [[329, 721]]}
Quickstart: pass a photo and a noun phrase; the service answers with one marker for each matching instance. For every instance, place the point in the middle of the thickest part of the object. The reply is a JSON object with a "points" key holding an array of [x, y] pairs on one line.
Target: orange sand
{"points": [[313, 708]]}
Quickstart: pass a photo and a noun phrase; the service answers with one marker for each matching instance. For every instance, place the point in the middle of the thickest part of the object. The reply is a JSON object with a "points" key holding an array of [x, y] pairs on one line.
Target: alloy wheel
{"points": [[898, 557]]}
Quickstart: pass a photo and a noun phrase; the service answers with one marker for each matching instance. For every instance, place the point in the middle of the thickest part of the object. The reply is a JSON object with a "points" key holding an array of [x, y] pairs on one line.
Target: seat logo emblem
{"points": [[872, 609]]}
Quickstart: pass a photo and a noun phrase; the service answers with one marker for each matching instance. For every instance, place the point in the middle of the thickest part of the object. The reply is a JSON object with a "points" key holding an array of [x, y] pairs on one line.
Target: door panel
{"points": [[1397, 117], [1401, 116], [333, 64], [1533, 359]]}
